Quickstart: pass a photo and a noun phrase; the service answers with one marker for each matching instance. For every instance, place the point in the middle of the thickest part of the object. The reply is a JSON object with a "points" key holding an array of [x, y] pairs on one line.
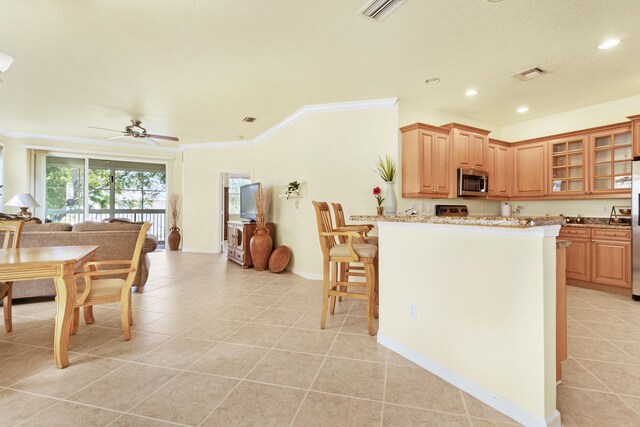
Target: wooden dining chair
{"points": [[10, 231], [100, 287], [333, 254]]}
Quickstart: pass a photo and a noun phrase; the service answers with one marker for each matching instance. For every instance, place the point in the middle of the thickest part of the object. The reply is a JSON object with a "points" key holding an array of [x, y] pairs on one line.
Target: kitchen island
{"points": [[473, 300]]}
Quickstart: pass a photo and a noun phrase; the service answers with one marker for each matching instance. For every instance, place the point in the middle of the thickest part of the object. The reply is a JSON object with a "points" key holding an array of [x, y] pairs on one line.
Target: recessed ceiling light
{"points": [[608, 44], [433, 81], [471, 92], [249, 119], [522, 109], [494, 1]]}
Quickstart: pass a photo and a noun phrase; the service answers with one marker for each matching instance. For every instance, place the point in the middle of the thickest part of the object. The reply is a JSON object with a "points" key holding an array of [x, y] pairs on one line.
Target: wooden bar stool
{"points": [[348, 269], [333, 254]]}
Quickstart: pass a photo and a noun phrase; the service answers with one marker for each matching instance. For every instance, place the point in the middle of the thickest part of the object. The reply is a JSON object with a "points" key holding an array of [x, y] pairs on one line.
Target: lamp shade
{"points": [[23, 200], [5, 62]]}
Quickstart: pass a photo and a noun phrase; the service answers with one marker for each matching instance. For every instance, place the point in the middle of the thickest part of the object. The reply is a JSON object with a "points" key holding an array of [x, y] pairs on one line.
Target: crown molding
{"points": [[302, 112], [221, 144], [85, 141]]}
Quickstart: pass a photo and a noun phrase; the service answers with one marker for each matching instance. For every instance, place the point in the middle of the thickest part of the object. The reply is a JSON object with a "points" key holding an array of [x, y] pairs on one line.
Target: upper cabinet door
{"points": [[478, 145], [611, 157], [497, 165], [427, 170], [502, 171], [464, 149], [529, 170], [442, 165], [635, 131], [568, 166]]}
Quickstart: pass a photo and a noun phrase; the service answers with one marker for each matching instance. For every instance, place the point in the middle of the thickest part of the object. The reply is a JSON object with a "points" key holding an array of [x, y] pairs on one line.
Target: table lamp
{"points": [[24, 201]]}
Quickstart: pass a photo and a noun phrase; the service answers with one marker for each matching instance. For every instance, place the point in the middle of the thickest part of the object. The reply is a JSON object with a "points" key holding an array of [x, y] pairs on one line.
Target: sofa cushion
{"points": [[101, 226], [51, 226]]}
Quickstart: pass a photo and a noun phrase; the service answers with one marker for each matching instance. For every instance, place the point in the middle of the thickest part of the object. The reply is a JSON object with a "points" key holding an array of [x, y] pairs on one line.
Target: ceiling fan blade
{"points": [[150, 141], [168, 138], [112, 130], [117, 137]]}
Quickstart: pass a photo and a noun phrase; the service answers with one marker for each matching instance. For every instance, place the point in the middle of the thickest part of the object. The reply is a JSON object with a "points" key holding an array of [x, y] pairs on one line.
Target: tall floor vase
{"points": [[390, 207], [261, 245]]}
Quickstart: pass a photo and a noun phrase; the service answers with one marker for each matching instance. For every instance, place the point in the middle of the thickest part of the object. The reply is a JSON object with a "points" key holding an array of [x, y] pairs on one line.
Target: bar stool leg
{"points": [[334, 286], [370, 276], [325, 293]]}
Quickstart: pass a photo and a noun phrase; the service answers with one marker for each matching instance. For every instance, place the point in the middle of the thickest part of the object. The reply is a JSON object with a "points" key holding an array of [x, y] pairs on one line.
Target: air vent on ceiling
{"points": [[249, 119], [380, 9], [529, 74]]}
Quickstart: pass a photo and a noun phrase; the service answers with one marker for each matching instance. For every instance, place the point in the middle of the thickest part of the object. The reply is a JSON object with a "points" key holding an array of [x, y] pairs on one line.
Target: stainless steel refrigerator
{"points": [[635, 226]]}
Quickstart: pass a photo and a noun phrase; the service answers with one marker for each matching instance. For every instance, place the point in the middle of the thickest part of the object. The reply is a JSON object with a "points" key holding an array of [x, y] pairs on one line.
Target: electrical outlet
{"points": [[413, 312]]}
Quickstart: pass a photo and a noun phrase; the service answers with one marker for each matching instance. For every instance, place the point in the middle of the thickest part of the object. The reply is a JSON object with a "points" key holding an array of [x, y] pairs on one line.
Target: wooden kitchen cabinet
{"points": [[611, 263], [599, 256], [469, 146], [635, 131], [498, 168], [529, 168], [568, 166], [426, 164], [611, 158]]}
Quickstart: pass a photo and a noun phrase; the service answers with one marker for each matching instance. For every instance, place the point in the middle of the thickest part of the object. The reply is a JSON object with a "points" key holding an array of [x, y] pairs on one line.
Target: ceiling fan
{"points": [[135, 130]]}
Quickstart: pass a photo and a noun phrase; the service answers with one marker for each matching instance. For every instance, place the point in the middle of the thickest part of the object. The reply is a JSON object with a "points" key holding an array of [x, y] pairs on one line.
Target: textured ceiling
{"points": [[195, 68]]}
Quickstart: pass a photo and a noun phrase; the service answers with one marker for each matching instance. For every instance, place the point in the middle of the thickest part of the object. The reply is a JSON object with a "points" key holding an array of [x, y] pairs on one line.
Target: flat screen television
{"points": [[248, 201]]}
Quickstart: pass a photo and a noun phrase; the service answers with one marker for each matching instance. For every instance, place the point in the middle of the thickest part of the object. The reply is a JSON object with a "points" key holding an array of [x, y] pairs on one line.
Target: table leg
{"points": [[65, 300]]}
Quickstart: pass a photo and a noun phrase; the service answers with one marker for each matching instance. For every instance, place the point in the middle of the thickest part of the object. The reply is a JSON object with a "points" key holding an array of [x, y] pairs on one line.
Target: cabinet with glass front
{"points": [[568, 166], [611, 161]]}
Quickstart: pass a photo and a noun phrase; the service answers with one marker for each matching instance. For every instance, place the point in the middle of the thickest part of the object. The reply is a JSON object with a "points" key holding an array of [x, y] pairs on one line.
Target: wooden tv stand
{"points": [[239, 234]]}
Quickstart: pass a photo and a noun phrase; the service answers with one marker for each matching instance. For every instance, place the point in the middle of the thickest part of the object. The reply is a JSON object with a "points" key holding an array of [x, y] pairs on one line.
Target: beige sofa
{"points": [[115, 241]]}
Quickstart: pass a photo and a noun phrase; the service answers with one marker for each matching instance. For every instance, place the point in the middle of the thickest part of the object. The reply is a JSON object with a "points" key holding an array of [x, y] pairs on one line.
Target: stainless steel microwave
{"points": [[472, 182]]}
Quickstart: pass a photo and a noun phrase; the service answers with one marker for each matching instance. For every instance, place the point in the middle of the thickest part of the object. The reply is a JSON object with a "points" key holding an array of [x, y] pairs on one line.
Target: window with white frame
{"points": [[235, 183]]}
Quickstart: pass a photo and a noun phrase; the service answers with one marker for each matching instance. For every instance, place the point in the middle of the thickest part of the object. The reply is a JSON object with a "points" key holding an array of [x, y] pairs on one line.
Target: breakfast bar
{"points": [[473, 300]]}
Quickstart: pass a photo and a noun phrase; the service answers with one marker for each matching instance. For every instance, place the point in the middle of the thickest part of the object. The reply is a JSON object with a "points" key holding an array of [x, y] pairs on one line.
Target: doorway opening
{"points": [[231, 183]]}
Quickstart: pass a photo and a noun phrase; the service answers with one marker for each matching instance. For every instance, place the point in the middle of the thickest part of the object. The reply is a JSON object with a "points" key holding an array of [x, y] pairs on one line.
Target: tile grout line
{"points": [[252, 369], [335, 338], [466, 408], [384, 386]]}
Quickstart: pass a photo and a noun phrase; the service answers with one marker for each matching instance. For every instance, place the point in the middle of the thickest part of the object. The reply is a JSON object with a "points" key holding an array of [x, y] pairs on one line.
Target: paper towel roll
{"points": [[505, 209]]}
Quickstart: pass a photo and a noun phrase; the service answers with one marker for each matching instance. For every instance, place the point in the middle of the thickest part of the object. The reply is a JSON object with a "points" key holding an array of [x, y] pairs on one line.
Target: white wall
{"points": [[202, 184], [475, 325], [581, 118], [16, 172], [333, 154]]}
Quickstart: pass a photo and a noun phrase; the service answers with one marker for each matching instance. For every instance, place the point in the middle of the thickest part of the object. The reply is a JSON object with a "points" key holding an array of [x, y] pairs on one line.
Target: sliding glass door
{"points": [[114, 189]]}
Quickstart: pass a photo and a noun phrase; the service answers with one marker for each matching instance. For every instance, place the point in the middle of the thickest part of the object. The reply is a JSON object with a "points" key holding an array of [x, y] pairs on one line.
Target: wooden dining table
{"points": [[58, 263]]}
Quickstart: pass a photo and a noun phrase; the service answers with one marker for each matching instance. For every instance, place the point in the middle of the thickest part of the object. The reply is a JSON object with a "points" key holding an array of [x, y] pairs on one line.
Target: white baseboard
{"points": [[309, 276], [200, 251], [498, 403]]}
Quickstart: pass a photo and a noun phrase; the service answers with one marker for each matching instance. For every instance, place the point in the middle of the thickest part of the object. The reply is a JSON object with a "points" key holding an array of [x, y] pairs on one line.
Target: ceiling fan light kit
{"points": [[135, 130]]}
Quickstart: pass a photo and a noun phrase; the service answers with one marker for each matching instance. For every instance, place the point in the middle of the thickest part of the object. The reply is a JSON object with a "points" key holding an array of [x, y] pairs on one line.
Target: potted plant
{"points": [[377, 193], [293, 189], [173, 239], [386, 169], [261, 243]]}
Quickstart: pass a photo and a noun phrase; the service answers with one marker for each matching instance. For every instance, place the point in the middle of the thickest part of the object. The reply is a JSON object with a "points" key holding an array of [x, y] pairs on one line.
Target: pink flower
{"points": [[377, 191]]}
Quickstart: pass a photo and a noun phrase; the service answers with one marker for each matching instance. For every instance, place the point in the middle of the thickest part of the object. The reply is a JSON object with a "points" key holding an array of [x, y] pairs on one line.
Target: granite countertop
{"points": [[489, 221], [601, 225], [562, 243]]}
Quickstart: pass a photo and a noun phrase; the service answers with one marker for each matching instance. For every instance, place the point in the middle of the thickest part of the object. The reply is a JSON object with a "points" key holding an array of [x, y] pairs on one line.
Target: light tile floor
{"points": [[217, 345]]}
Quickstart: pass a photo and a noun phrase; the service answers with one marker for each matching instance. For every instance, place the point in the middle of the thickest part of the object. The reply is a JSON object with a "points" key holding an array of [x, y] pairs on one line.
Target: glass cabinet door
{"points": [[568, 166], [612, 158]]}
